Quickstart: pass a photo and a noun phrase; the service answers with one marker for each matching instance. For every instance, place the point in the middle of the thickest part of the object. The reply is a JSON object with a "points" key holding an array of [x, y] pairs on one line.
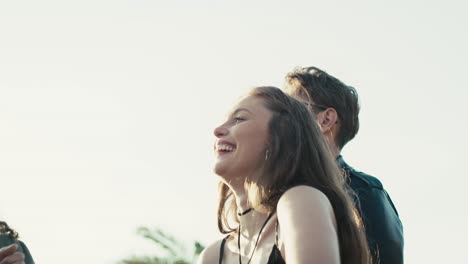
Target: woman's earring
{"points": [[267, 153]]}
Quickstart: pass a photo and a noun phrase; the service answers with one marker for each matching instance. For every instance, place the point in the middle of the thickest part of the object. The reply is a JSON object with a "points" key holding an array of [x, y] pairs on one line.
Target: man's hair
{"points": [[327, 91], [298, 155]]}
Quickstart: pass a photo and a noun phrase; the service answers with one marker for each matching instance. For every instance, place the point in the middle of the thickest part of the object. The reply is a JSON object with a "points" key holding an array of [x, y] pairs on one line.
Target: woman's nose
{"points": [[220, 131]]}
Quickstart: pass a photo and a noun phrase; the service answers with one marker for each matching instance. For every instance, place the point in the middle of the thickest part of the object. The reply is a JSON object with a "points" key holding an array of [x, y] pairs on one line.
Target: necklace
{"points": [[245, 212], [256, 242]]}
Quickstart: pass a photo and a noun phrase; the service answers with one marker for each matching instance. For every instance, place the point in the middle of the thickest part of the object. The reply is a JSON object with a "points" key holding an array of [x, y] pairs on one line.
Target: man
{"points": [[336, 110]]}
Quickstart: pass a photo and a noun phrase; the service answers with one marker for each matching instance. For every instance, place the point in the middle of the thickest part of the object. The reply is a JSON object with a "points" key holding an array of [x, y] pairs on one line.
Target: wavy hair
{"points": [[5, 229], [327, 91], [298, 155]]}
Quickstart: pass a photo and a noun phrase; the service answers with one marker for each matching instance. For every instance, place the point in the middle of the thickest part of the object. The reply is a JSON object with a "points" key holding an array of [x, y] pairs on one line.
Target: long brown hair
{"points": [[298, 155]]}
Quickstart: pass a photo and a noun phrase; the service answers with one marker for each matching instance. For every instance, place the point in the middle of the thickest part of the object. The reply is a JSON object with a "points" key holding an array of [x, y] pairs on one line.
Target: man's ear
{"points": [[327, 119]]}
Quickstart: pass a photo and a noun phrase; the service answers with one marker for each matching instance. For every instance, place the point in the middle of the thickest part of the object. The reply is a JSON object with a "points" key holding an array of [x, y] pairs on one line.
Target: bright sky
{"points": [[107, 110]]}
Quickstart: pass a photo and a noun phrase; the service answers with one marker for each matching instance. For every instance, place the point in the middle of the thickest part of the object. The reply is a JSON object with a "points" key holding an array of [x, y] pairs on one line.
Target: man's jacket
{"points": [[383, 227]]}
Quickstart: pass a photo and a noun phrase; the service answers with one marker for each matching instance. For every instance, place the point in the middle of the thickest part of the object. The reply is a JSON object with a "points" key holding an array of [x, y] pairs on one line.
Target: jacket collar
{"points": [[341, 162], [345, 168]]}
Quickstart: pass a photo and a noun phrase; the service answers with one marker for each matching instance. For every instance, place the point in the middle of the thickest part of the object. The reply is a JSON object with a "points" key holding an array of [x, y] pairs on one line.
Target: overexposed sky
{"points": [[107, 110]]}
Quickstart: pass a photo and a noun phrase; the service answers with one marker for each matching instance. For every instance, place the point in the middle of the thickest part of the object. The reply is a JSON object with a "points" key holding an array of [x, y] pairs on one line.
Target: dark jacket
{"points": [[6, 240], [384, 230]]}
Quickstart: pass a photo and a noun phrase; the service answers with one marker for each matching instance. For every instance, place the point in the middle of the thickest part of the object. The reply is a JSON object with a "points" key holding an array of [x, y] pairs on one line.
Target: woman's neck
{"points": [[250, 220]]}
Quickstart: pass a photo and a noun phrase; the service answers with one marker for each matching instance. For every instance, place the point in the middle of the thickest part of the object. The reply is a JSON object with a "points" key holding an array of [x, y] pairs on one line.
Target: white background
{"points": [[107, 110]]}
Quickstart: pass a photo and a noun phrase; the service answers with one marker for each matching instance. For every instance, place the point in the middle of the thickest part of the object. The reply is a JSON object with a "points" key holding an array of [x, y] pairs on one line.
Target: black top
{"points": [[384, 230], [275, 255]]}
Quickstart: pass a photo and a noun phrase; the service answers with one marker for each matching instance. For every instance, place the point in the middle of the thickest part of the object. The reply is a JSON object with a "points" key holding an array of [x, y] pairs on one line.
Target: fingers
{"points": [[8, 255], [16, 258], [6, 251]]}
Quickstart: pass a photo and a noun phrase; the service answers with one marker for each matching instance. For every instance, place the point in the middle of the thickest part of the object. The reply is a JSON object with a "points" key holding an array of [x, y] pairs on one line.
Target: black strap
{"points": [[221, 249], [256, 242], [276, 233], [245, 212]]}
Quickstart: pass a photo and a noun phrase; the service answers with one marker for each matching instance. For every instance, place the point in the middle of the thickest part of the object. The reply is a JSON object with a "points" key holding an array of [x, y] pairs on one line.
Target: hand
{"points": [[9, 255]]}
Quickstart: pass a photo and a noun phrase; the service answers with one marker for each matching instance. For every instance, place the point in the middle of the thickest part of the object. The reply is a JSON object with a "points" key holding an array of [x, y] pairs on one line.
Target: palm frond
{"points": [[176, 250]]}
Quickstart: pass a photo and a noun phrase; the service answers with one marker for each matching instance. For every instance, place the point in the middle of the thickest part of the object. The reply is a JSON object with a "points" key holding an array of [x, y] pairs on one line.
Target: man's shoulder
{"points": [[363, 180], [384, 230], [359, 179]]}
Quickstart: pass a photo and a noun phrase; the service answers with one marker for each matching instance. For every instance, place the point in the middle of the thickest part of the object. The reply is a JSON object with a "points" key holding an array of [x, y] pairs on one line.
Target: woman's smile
{"points": [[223, 147]]}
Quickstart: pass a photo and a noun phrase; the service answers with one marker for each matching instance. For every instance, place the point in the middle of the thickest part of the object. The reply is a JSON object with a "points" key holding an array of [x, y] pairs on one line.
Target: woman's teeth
{"points": [[225, 148]]}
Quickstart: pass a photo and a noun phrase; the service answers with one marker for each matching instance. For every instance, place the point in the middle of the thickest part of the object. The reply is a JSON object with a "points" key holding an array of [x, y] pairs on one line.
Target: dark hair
{"points": [[326, 90], [298, 155], [5, 229]]}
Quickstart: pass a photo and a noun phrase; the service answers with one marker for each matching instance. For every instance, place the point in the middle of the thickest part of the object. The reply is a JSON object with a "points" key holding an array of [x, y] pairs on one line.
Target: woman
{"points": [[282, 198], [12, 251]]}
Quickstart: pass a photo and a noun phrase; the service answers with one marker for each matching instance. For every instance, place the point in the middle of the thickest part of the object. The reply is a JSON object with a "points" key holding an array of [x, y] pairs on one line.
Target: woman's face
{"points": [[241, 140]]}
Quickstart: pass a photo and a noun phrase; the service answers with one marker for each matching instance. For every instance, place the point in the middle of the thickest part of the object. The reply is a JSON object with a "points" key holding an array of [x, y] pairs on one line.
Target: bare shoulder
{"points": [[210, 254], [303, 195], [307, 226], [304, 202]]}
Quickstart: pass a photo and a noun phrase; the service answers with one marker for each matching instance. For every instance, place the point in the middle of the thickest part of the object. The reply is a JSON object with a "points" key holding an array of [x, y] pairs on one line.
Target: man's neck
{"points": [[335, 151], [330, 140]]}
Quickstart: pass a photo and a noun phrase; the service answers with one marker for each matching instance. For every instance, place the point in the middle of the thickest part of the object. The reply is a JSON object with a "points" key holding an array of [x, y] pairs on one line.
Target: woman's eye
{"points": [[238, 119]]}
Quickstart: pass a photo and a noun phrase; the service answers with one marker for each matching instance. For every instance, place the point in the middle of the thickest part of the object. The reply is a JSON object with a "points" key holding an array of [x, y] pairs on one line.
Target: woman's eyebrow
{"points": [[240, 110]]}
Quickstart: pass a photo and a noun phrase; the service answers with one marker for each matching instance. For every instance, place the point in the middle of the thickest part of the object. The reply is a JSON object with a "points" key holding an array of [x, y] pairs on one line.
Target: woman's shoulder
{"points": [[304, 202], [307, 226], [303, 194], [211, 253]]}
